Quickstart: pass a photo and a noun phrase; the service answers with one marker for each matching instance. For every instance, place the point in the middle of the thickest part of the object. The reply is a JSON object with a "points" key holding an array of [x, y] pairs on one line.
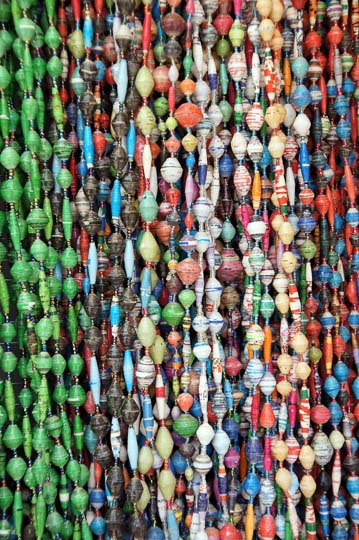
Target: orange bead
{"points": [[187, 87], [267, 418]]}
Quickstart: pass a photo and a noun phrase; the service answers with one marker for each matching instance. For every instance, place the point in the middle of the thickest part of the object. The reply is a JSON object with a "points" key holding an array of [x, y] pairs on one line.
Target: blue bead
{"points": [[331, 89], [315, 94], [101, 70], [82, 168], [196, 410], [231, 427], [307, 223], [301, 97], [98, 525], [179, 463], [352, 218], [341, 105], [335, 280], [331, 386], [341, 372], [324, 273], [339, 246], [103, 191], [355, 444], [343, 129], [344, 333], [254, 450], [155, 533], [226, 167], [353, 319], [353, 486], [251, 484], [339, 533], [97, 496], [354, 265], [354, 512], [336, 413], [266, 158], [347, 87], [72, 113], [338, 510], [338, 222], [190, 161]]}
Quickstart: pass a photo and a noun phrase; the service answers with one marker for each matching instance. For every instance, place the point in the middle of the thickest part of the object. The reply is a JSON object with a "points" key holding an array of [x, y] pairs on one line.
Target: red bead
{"points": [[229, 532], [232, 366], [266, 528]]}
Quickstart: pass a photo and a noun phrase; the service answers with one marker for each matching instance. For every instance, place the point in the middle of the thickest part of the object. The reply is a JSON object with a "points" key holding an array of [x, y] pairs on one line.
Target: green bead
{"points": [[40, 470], [25, 29], [29, 478], [9, 158], [77, 396], [148, 207], [3, 252], [75, 365], [7, 332], [59, 456], [5, 78], [44, 329], [6, 498], [38, 40], [69, 258], [8, 361], [185, 425], [226, 110], [90, 440], [6, 529], [39, 250], [78, 85], [16, 468], [54, 285], [40, 439], [173, 313], [187, 64], [54, 66], [53, 426], [84, 475], [5, 11], [25, 303], [308, 249], [73, 470], [160, 106], [25, 161], [20, 271], [79, 500], [223, 47], [40, 515], [49, 490], [78, 433], [39, 67], [67, 219], [159, 52], [58, 364], [63, 149], [3, 416], [54, 523], [59, 394], [70, 288], [26, 398], [67, 530], [51, 258], [52, 37], [13, 437], [37, 219]]}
